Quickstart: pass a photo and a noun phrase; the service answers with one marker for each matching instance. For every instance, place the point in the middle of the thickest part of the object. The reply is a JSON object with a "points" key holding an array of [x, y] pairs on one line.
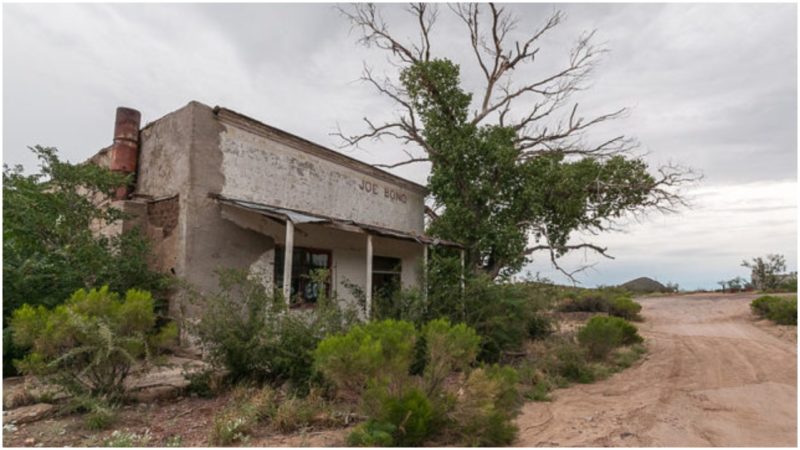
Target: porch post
{"points": [[425, 271], [461, 282], [369, 277], [287, 261]]}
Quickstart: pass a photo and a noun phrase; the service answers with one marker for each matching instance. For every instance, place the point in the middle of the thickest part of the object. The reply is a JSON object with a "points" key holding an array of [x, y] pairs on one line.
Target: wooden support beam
{"points": [[369, 277], [287, 262]]}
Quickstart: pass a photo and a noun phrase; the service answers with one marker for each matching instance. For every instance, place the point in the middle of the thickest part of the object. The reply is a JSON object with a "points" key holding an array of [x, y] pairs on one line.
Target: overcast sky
{"points": [[713, 87]]}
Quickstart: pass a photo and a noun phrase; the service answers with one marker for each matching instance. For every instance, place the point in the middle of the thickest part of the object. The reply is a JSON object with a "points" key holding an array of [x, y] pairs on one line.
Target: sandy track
{"points": [[712, 377]]}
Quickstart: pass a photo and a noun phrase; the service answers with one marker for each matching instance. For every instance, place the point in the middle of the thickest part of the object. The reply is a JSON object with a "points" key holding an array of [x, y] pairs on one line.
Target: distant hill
{"points": [[644, 285]]}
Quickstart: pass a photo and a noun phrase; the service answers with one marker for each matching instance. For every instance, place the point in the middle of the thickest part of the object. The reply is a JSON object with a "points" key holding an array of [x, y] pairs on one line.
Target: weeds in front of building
{"points": [[448, 365]]}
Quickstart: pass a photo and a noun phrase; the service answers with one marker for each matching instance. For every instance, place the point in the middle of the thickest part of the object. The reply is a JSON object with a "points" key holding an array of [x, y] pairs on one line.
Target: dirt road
{"points": [[712, 377]]}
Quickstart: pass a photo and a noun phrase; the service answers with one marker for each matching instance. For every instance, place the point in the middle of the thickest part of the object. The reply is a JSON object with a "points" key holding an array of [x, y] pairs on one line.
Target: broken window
{"points": [[305, 261], [386, 273]]}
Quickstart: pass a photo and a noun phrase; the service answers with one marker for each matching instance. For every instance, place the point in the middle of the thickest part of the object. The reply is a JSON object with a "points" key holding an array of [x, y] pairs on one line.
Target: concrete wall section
{"points": [[268, 171], [212, 242]]}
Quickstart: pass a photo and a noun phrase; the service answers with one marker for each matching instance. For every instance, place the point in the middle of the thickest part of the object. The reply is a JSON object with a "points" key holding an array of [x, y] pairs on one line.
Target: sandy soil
{"points": [[713, 376], [190, 418]]}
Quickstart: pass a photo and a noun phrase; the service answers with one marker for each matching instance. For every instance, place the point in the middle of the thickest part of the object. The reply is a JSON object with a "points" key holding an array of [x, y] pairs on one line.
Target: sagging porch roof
{"points": [[301, 217]]}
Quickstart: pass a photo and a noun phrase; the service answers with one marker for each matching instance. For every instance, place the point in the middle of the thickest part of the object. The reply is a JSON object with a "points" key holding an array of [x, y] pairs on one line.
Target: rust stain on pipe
{"points": [[125, 150]]}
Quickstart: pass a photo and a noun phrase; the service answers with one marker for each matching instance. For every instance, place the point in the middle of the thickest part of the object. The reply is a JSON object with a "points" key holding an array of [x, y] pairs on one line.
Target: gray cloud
{"points": [[713, 86]]}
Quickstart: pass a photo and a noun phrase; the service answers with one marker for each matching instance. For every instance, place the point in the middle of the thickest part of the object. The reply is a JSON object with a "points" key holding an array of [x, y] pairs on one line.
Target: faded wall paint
{"points": [[270, 172]]}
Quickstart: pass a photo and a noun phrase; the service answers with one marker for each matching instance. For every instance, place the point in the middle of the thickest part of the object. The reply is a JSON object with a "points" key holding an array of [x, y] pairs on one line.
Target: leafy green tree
{"points": [[49, 247], [766, 271], [508, 181]]}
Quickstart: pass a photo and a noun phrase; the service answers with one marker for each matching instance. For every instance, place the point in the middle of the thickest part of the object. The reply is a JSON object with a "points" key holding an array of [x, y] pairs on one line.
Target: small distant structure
{"points": [[644, 285], [780, 278]]}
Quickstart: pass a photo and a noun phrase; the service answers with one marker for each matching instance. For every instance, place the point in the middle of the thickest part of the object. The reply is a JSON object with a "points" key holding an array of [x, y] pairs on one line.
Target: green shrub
{"points": [[762, 305], [49, 247], [89, 344], [784, 312], [484, 412], [571, 364], [294, 413], [230, 425], [413, 416], [781, 310], [624, 307], [586, 301], [789, 284], [378, 351], [450, 348], [247, 407], [372, 434], [253, 334], [602, 334], [539, 326], [624, 358], [201, 383], [101, 417], [499, 313]]}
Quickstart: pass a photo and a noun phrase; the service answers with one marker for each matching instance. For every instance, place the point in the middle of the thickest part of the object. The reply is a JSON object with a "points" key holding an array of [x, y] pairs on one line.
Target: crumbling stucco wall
{"points": [[211, 241], [274, 170]]}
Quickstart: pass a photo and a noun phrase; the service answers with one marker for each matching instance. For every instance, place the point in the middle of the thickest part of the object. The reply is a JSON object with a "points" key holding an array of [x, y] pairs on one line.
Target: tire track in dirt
{"points": [[712, 377]]}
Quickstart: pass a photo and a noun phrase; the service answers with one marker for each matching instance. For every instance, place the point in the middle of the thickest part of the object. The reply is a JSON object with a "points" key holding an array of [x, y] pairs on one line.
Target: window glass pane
{"points": [[304, 262], [386, 264]]}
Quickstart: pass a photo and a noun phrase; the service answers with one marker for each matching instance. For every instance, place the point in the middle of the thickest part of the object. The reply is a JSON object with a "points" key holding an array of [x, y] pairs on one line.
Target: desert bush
{"points": [[127, 439], [624, 307], [90, 344], [762, 305], [372, 433], [624, 358], [450, 348], [570, 363], [101, 417], [294, 412], [784, 312], [202, 383], [49, 248], [400, 304], [604, 333], [410, 415], [789, 284], [540, 326], [230, 425], [247, 407], [586, 301], [254, 335], [378, 351], [484, 412], [499, 313], [781, 310]]}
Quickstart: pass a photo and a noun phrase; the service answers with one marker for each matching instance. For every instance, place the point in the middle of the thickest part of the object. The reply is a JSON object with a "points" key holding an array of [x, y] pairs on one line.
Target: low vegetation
{"points": [[454, 373], [89, 345], [50, 247], [781, 310], [251, 334], [451, 402]]}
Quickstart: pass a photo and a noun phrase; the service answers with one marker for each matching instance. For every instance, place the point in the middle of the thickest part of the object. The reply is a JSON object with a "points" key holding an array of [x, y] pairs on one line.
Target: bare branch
{"points": [[402, 163]]}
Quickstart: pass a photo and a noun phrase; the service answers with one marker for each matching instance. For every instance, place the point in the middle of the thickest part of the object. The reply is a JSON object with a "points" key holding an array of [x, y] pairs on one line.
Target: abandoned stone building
{"points": [[216, 189]]}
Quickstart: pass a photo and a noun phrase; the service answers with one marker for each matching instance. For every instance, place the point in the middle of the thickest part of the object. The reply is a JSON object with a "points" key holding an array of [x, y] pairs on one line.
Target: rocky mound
{"points": [[644, 285]]}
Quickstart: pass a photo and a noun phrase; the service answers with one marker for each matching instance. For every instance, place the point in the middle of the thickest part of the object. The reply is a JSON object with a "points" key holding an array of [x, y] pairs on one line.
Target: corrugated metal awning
{"points": [[301, 217]]}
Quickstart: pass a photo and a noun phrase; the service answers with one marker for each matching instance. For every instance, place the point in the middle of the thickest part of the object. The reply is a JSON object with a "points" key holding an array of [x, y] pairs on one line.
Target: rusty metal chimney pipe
{"points": [[125, 150]]}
